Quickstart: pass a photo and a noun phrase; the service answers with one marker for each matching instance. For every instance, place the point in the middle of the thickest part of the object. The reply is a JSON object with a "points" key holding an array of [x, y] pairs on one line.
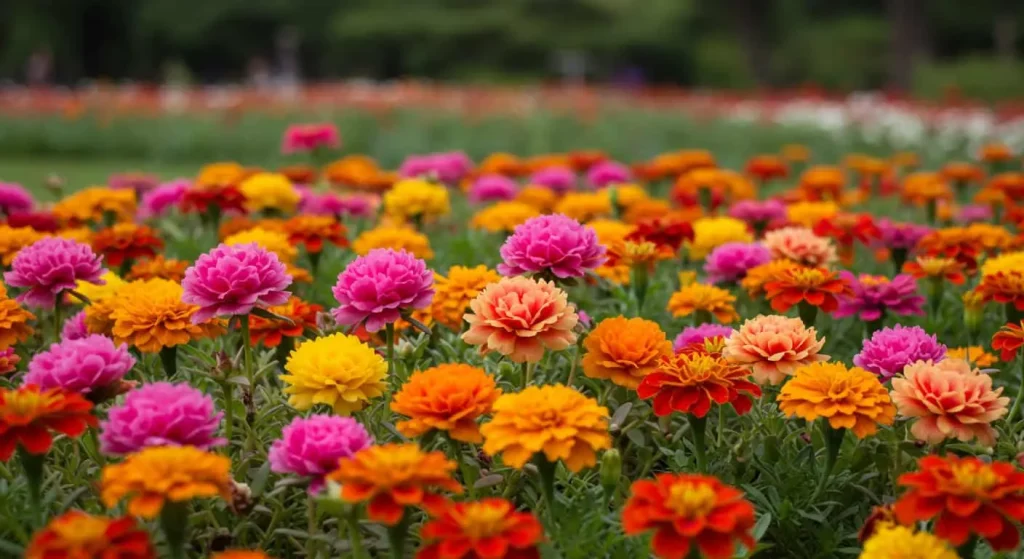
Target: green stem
{"points": [[808, 313], [640, 281], [58, 308], [1013, 315], [397, 536], [314, 263], [721, 426], [174, 522], [33, 464], [573, 367], [1020, 394], [229, 411], [698, 426], [169, 359], [528, 373], [247, 352], [389, 339], [833, 441], [468, 479], [354, 536], [935, 286], [899, 258], [546, 470], [967, 549]]}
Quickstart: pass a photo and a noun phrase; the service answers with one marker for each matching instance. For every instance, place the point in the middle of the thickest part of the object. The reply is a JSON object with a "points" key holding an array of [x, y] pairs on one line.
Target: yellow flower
{"points": [[93, 204], [503, 216], [584, 206], [150, 315], [416, 199], [808, 214], [1005, 262], [453, 294], [220, 174], [540, 197], [851, 399], [699, 297], [393, 237], [975, 355], [337, 370], [80, 234], [158, 474], [270, 191], [13, 239], [710, 232], [757, 276], [14, 320], [273, 241], [899, 542], [96, 293], [626, 194]]}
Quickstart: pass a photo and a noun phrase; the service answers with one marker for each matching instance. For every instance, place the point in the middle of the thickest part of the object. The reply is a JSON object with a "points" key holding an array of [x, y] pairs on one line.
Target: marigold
{"points": [[766, 167], [220, 174], [158, 268], [541, 198], [968, 496], [126, 242], [758, 276], [848, 398], [1003, 287], [336, 370], [273, 241], [395, 238], [487, 529], [270, 332], [269, 191], [995, 152], [773, 347], [822, 182], [503, 217], [690, 381], [900, 542], [94, 205], [922, 187], [155, 475], [975, 355], [809, 214], [14, 319], [240, 554], [815, 286], [393, 476], [689, 512], [453, 294], [356, 171], [78, 234], [312, 231], [624, 350], [77, 535], [1008, 340], [28, 414], [13, 239], [553, 419], [938, 268], [703, 298], [584, 206], [710, 232], [448, 397], [416, 198], [150, 316]]}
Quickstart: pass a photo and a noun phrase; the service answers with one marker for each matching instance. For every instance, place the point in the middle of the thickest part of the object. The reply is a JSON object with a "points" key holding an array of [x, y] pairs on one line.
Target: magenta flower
{"points": [[231, 280], [14, 198], [84, 365], [50, 266], [311, 446], [874, 295], [558, 179], [606, 173], [161, 414], [758, 212], [309, 137], [729, 262], [489, 188], [74, 328], [157, 201], [891, 349], [378, 287], [139, 182], [697, 334], [553, 244], [895, 235], [448, 168], [972, 213]]}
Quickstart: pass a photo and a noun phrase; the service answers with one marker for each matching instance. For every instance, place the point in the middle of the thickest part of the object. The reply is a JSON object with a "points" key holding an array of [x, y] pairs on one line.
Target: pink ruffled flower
{"points": [[490, 188], [874, 295], [755, 212], [83, 365], [553, 244], [309, 137], [161, 414], [697, 334], [311, 446], [607, 173], [448, 168], [895, 235], [231, 280], [74, 328], [162, 198], [558, 179], [891, 349], [50, 266], [730, 262], [378, 287], [14, 199]]}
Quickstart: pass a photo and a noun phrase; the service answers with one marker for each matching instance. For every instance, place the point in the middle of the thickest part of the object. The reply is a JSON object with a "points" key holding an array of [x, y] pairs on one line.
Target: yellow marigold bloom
{"points": [[93, 204], [13, 239], [220, 174], [990, 237], [393, 237], [757, 276], [416, 199], [96, 293], [1005, 262], [453, 294], [553, 419], [448, 397], [626, 194], [809, 214], [610, 231], [633, 253], [273, 241], [336, 370], [503, 217], [710, 232], [98, 319], [542, 198], [155, 475], [150, 315], [899, 542], [159, 267], [584, 206], [80, 234], [14, 320], [615, 273], [270, 191], [624, 350], [240, 554], [649, 209], [975, 355], [686, 277], [851, 399], [699, 297]]}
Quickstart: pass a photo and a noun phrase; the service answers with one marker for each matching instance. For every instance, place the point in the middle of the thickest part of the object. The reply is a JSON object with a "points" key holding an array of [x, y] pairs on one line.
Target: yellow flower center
{"points": [[84, 532], [25, 403], [480, 520], [869, 280], [806, 277], [691, 500], [975, 480]]}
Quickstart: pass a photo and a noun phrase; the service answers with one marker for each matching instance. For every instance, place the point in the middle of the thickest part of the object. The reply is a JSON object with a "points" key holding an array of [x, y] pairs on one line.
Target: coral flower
{"points": [[161, 414], [800, 245], [160, 474], [14, 321], [312, 446], [336, 370], [503, 217], [232, 280], [553, 419], [758, 276], [936, 268], [151, 315], [900, 542], [873, 296], [773, 347], [487, 529], [394, 238], [551, 244], [704, 299], [312, 231], [51, 266], [377, 288], [815, 286], [689, 382], [158, 268], [270, 332], [891, 349], [269, 191], [28, 414], [968, 497], [691, 515], [77, 535], [13, 239], [448, 397], [453, 294], [948, 399], [624, 350], [519, 317], [416, 199], [393, 476], [729, 263], [88, 365], [851, 399], [1008, 340], [710, 232], [310, 137], [126, 242]]}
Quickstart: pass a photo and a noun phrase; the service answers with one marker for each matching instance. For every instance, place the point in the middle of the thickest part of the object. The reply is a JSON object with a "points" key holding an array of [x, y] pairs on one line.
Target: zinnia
{"points": [[851, 399], [14, 321], [232, 280], [310, 137], [155, 475], [161, 414], [553, 245], [874, 295], [816, 287], [158, 268], [28, 414], [271, 332], [77, 535], [891, 349], [729, 263], [377, 288], [269, 191], [126, 243], [556, 178], [710, 232], [312, 446], [416, 199], [487, 529], [51, 266], [448, 397], [312, 231], [607, 173], [690, 381], [1008, 340], [490, 188], [624, 350], [87, 365], [773, 347], [800, 245], [161, 199], [336, 370]]}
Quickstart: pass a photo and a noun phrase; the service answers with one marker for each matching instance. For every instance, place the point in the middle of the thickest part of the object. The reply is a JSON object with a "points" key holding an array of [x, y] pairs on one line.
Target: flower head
{"points": [[13, 239], [453, 294], [267, 237], [161, 199], [557, 179], [697, 334], [773, 347], [815, 286], [809, 214], [220, 174], [553, 244], [336, 370], [1003, 287], [758, 276], [126, 242], [1008, 340], [270, 331], [94, 204], [489, 188], [232, 280], [710, 232], [975, 355], [936, 268], [8, 361], [14, 199], [756, 212], [690, 381], [900, 542], [584, 206], [800, 245], [310, 137], [729, 263], [873, 296], [607, 173], [624, 350], [700, 297], [394, 238], [891, 349], [269, 191], [158, 268], [448, 168], [503, 217], [377, 288], [50, 266], [766, 167], [487, 529], [151, 315], [312, 446], [898, 235], [84, 366], [14, 321], [28, 414], [416, 199], [74, 327], [851, 399], [448, 397], [312, 231], [155, 475], [77, 535], [161, 414]]}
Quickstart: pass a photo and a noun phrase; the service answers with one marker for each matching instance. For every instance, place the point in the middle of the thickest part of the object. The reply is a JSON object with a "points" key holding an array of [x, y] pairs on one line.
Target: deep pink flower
{"points": [[729, 262], [558, 179], [755, 212], [607, 173], [309, 137], [231, 280], [378, 287], [82, 365], [161, 414], [972, 213], [891, 349], [697, 334], [448, 168], [489, 188], [895, 235], [311, 446], [139, 182], [14, 198], [551, 243], [41, 221], [74, 328], [162, 198], [874, 295], [50, 266]]}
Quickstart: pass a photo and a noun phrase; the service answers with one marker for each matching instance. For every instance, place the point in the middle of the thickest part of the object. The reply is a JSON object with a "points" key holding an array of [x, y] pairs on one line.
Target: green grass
{"points": [[77, 173]]}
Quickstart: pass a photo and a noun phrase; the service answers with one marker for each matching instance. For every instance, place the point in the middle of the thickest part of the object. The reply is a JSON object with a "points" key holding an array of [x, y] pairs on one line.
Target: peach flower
{"points": [[773, 347], [949, 399], [800, 245]]}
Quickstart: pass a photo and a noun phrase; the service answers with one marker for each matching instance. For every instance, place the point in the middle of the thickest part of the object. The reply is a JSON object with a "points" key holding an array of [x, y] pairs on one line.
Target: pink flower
{"points": [[50, 266], [489, 188], [729, 262], [162, 198], [553, 244], [139, 182], [74, 328], [894, 235], [697, 334], [14, 199], [311, 446], [309, 137], [448, 168], [874, 295], [83, 365], [161, 414], [972, 213], [231, 280], [558, 179], [891, 349], [756, 212], [378, 287], [607, 173], [800, 245]]}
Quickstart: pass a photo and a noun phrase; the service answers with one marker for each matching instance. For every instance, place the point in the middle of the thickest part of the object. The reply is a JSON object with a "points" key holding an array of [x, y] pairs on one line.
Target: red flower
{"points": [[1008, 340], [688, 382], [664, 232], [77, 535], [270, 331], [27, 415], [486, 529], [818, 286], [199, 200], [126, 241]]}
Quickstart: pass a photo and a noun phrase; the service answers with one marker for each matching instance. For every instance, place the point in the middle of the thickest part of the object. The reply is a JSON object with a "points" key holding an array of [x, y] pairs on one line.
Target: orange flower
{"points": [[936, 267], [28, 414], [816, 286], [393, 476], [758, 276], [688, 512], [158, 268], [995, 153], [690, 381], [313, 230], [624, 350], [8, 361], [766, 167], [13, 239], [395, 238], [773, 346], [126, 242], [553, 419], [962, 172], [968, 496], [150, 315], [699, 297], [1008, 340], [453, 294], [1004, 185], [800, 245], [157, 474], [270, 332], [77, 535], [240, 554], [487, 529], [848, 398], [540, 198], [975, 355], [796, 153], [14, 319], [299, 174], [823, 182], [448, 397], [1003, 287], [356, 171], [220, 174], [921, 187], [94, 205]]}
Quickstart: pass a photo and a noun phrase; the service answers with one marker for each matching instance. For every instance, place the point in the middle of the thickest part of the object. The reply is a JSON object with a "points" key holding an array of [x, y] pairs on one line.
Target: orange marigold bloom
{"points": [[921, 187], [766, 167], [395, 238], [773, 346], [300, 174], [688, 382], [393, 476], [758, 276], [953, 242], [1004, 287], [700, 297], [157, 474], [823, 182], [624, 350], [453, 294], [94, 204], [448, 397], [905, 159], [936, 267], [962, 172], [126, 242], [1005, 185], [796, 153], [800, 245], [14, 327], [158, 267], [968, 497], [975, 355], [487, 529], [689, 512], [1008, 340], [651, 208], [270, 332], [502, 164], [553, 419], [584, 206], [220, 174], [851, 399], [356, 171], [77, 535], [13, 239], [503, 217], [28, 414], [995, 152], [223, 198], [816, 286], [313, 230], [150, 315], [540, 198]]}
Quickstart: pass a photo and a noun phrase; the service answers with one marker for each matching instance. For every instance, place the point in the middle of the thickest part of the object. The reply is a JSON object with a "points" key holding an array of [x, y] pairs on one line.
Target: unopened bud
{"points": [[611, 470]]}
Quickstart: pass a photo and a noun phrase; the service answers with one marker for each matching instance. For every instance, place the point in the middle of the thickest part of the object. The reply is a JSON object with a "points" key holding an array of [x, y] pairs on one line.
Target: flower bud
{"points": [[611, 471]]}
